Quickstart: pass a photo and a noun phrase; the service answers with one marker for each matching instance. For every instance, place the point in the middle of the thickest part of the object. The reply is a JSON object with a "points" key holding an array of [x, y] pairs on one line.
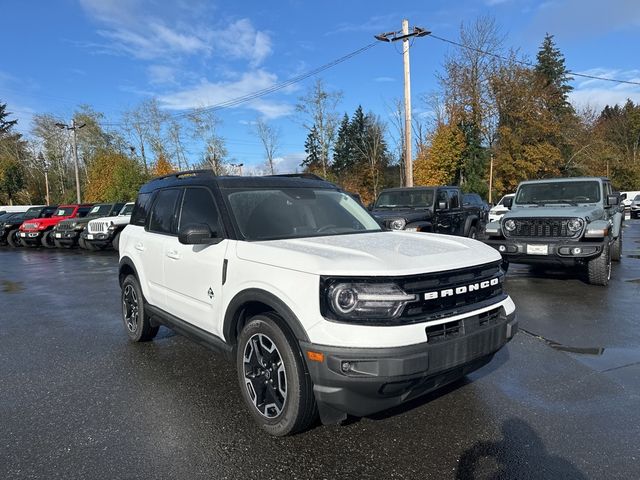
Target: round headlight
{"points": [[344, 299], [509, 225], [575, 225], [397, 224]]}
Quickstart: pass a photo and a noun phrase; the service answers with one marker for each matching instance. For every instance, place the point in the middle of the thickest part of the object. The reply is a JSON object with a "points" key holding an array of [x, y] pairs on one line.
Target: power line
{"points": [[266, 91], [529, 64]]}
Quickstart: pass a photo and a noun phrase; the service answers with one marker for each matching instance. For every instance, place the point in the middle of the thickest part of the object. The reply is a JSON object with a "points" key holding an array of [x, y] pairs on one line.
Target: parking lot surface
{"points": [[77, 400]]}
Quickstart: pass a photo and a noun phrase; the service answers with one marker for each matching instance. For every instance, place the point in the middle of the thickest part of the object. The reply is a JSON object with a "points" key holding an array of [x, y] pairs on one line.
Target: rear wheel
{"points": [[116, 242], [273, 377], [599, 269], [47, 239], [616, 248], [136, 323]]}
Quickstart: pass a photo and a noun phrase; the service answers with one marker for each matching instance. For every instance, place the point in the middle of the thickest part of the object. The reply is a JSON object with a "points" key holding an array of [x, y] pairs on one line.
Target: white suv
{"points": [[105, 231], [321, 310]]}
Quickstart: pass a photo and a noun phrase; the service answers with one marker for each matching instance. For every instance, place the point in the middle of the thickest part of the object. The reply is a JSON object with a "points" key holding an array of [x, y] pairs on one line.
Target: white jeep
{"points": [[321, 310], [105, 231]]}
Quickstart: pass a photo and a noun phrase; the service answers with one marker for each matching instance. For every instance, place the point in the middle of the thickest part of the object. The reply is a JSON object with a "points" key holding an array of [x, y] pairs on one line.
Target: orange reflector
{"points": [[315, 356]]}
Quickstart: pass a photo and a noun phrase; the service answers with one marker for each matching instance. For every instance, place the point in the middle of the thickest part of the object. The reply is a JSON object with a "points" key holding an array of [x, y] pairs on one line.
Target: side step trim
{"points": [[204, 338]]}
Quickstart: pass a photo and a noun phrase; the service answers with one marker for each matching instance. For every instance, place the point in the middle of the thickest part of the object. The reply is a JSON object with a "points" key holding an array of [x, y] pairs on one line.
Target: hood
{"points": [[589, 211], [370, 254], [42, 222], [76, 220], [116, 220], [409, 214]]}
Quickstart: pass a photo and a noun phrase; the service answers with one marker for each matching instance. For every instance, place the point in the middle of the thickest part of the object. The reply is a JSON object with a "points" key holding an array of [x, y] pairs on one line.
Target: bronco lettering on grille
{"points": [[472, 287]]}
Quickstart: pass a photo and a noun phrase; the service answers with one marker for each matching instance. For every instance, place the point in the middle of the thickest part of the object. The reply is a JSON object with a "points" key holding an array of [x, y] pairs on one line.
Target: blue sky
{"points": [[112, 54]]}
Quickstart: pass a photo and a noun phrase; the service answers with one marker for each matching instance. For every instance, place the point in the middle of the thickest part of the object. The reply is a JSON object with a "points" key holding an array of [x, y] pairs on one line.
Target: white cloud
{"points": [[161, 75], [212, 93], [596, 93], [242, 40], [289, 163]]}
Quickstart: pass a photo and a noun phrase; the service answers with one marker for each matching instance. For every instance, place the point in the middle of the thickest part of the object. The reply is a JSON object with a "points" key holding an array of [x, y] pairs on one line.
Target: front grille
{"points": [[98, 227], [444, 331], [451, 330], [64, 227], [541, 228], [30, 226]]}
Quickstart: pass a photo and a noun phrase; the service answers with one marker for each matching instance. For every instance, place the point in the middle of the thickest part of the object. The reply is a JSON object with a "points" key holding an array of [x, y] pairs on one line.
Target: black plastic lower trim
{"points": [[209, 340]]}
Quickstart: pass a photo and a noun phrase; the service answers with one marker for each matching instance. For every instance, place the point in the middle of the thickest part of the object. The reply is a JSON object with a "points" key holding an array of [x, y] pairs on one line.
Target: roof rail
{"points": [[185, 173], [308, 176]]}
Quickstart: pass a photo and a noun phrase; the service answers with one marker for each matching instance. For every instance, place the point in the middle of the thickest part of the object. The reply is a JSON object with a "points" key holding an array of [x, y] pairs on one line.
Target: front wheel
{"points": [[273, 377], [473, 232], [599, 269], [13, 239], [47, 240], [616, 247]]}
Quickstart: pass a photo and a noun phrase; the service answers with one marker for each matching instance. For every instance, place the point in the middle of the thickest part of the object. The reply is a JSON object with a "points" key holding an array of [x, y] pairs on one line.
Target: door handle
{"points": [[173, 254], [140, 246]]}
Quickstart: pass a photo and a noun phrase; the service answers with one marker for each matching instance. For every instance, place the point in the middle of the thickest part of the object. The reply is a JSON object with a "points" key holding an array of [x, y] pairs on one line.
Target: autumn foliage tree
{"points": [[441, 162], [114, 177]]}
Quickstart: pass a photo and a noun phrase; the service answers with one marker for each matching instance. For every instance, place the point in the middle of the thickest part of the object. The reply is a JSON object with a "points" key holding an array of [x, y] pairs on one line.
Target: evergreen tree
{"points": [[5, 124], [343, 149], [553, 76], [313, 162]]}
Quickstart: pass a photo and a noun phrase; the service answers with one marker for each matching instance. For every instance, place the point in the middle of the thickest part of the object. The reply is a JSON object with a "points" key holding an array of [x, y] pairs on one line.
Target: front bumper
{"points": [[99, 239], [557, 250], [31, 238], [67, 237], [363, 381]]}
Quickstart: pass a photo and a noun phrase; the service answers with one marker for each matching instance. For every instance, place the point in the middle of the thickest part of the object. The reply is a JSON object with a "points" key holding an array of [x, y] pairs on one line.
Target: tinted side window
{"points": [[163, 211], [141, 209], [198, 206], [453, 199]]}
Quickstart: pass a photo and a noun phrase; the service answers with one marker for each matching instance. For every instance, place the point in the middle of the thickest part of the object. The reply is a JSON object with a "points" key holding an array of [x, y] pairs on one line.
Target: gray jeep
{"points": [[572, 222]]}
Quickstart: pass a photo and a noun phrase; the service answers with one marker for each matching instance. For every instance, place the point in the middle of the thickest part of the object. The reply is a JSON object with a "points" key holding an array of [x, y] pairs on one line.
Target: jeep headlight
{"points": [[111, 227], [353, 301], [397, 224], [79, 227], [575, 225], [509, 225]]}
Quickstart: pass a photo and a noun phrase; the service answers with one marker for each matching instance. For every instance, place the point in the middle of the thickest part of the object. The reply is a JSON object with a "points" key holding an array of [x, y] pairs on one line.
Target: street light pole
{"points": [[405, 36], [45, 166], [73, 129]]}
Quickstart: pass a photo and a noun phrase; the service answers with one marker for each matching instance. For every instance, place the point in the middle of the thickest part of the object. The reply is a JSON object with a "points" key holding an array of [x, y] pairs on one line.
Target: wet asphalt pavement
{"points": [[77, 400]]}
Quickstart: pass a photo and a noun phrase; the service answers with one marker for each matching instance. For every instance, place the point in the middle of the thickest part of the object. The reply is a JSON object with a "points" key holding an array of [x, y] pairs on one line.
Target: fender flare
{"points": [[469, 222], [126, 262], [235, 308]]}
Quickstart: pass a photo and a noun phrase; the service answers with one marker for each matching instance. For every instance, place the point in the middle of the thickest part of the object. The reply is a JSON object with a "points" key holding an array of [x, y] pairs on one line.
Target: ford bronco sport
{"points": [[571, 222], [321, 309]]}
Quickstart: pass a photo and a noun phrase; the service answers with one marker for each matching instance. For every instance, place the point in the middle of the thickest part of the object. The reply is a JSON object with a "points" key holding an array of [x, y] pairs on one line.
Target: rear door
{"points": [[194, 272], [456, 212], [150, 243]]}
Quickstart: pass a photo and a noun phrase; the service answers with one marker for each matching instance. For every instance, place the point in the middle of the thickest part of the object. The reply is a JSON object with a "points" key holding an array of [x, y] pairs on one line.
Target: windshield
{"points": [[100, 210], [405, 198], [272, 214], [32, 213], [559, 192], [64, 211], [637, 198], [127, 209]]}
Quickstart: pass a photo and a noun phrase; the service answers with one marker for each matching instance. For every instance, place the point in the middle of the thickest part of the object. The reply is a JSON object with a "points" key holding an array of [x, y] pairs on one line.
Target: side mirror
{"points": [[197, 234], [442, 205], [613, 200], [507, 202]]}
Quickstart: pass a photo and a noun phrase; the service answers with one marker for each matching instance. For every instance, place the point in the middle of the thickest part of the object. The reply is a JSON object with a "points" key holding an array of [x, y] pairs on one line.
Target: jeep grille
{"points": [[98, 227], [63, 227], [541, 228], [30, 226]]}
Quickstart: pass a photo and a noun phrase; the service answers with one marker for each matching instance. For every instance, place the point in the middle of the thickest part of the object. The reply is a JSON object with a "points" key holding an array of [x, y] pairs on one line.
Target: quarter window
{"points": [[198, 207], [163, 211], [141, 209]]}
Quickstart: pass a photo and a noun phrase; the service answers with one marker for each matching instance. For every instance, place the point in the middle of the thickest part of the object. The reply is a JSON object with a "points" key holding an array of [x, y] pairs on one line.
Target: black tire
{"points": [[633, 215], [473, 232], [115, 243], [616, 247], [47, 239], [599, 269], [90, 246], [13, 240], [82, 243], [136, 322], [267, 353]]}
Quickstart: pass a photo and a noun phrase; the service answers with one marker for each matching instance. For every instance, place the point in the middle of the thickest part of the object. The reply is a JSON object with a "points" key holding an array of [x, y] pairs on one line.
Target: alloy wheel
{"points": [[265, 375], [130, 308]]}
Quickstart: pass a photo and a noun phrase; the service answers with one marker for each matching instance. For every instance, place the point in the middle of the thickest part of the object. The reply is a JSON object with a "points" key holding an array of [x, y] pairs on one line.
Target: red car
{"points": [[38, 231]]}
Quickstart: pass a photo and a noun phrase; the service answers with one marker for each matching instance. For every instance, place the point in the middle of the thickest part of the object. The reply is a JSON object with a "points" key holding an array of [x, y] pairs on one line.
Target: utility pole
{"points": [[490, 177], [45, 166], [405, 36], [73, 129]]}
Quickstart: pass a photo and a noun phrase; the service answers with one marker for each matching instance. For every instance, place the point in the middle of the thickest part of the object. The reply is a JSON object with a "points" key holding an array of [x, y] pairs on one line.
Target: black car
{"points": [[10, 223], [428, 209], [475, 200]]}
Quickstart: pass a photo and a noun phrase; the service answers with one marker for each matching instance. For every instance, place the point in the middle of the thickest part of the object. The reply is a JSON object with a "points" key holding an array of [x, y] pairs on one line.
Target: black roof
{"points": [[207, 177]]}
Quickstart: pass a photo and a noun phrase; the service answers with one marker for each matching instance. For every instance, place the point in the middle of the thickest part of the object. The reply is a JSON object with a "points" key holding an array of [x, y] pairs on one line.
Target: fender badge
{"points": [[210, 293]]}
